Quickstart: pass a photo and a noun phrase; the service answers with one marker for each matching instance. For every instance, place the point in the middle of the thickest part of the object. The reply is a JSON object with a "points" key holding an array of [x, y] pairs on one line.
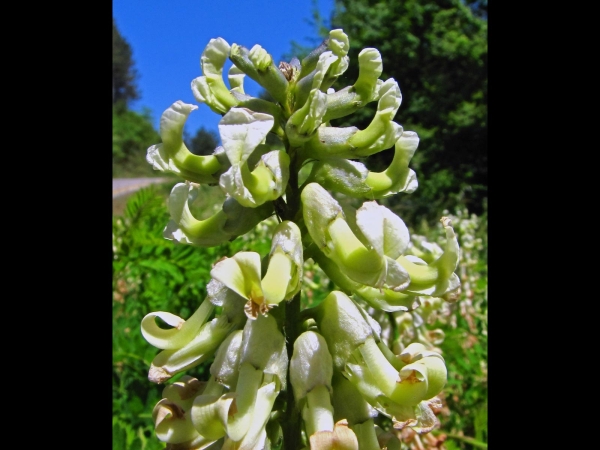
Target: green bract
{"points": [[342, 370]]}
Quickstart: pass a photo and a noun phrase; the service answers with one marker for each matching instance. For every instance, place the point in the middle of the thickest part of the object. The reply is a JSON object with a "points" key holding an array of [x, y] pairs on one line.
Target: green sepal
{"points": [[241, 219], [342, 325], [310, 352], [341, 175], [225, 367], [172, 424]]}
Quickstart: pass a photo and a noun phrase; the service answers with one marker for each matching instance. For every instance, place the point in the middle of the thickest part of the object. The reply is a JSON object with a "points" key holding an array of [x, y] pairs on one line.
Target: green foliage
{"points": [[151, 273], [133, 133], [124, 74], [437, 51]]}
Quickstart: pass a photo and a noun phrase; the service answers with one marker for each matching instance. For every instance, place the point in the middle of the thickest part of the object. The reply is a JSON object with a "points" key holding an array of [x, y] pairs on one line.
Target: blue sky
{"points": [[168, 37]]}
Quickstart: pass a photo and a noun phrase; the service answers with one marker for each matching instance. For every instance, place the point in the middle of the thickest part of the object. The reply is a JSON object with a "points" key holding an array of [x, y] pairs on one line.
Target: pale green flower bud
{"points": [[305, 121], [173, 156], [242, 131], [338, 42], [382, 132], [171, 415], [185, 228], [210, 88], [354, 179], [339, 45], [373, 265], [341, 175], [390, 385], [227, 360], [284, 272], [438, 277], [263, 365], [236, 80], [258, 64], [321, 68], [370, 67], [309, 63], [381, 299], [262, 106], [397, 177], [311, 366], [196, 347], [317, 411], [342, 325], [263, 346], [255, 437], [314, 81], [241, 415], [183, 331], [349, 142], [365, 89]]}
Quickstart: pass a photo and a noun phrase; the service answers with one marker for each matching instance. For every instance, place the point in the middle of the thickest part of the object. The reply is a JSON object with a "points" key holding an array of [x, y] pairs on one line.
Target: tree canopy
{"points": [[437, 52], [124, 74], [204, 142]]}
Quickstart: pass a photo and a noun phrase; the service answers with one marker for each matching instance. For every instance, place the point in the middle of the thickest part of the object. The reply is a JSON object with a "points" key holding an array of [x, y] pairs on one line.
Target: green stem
{"points": [[291, 424], [395, 334]]}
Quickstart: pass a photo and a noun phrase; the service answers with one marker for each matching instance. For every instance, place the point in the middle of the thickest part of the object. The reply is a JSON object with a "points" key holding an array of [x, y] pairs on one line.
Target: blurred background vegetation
{"points": [[437, 51]]}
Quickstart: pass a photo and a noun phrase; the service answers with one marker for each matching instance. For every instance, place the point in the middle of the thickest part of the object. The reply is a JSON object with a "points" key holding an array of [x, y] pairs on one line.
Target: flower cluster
{"points": [[314, 378]]}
